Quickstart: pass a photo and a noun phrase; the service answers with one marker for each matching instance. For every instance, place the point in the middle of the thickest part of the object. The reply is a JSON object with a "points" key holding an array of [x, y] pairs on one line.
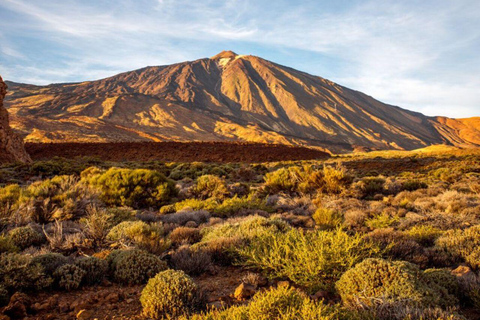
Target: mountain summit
{"points": [[228, 97]]}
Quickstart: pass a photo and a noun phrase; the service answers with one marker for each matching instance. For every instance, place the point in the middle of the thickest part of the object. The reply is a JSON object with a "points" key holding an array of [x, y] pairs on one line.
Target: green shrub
{"points": [[24, 237], [445, 283], [7, 245], [424, 234], [63, 198], [210, 186], [169, 294], [50, 261], [137, 188], [327, 219], [145, 236], [280, 303], [369, 186], [135, 266], [461, 243], [379, 221], [95, 269], [412, 185], [9, 195], [227, 207], [69, 277], [307, 179], [314, 259], [377, 279], [18, 273]]}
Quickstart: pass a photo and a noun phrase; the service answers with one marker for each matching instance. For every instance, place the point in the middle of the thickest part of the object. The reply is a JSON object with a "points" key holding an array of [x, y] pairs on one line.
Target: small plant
{"points": [[327, 219], [69, 277], [185, 235], [191, 261], [424, 234], [95, 269], [314, 259], [50, 261], [210, 186], [137, 188], [17, 272], [461, 243], [377, 279], [169, 294], [135, 266], [24, 237], [7, 245]]}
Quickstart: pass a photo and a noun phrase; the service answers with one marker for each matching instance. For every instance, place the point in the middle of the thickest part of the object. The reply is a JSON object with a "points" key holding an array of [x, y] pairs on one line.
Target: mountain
{"points": [[226, 97], [11, 146]]}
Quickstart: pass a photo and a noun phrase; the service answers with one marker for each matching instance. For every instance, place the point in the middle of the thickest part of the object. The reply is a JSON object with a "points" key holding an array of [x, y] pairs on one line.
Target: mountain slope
{"points": [[226, 97]]}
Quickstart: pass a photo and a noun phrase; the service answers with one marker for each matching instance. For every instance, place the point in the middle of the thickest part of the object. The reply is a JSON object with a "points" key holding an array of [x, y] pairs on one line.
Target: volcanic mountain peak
{"points": [[227, 97], [227, 54]]}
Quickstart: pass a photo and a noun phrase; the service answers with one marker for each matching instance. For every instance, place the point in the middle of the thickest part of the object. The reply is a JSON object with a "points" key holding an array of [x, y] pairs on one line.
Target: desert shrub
{"points": [[183, 235], [95, 269], [69, 277], [376, 280], [445, 283], [311, 259], [137, 188], [145, 236], [50, 261], [222, 250], [369, 187], [247, 228], [210, 186], [192, 261], [169, 294], [24, 237], [227, 207], [7, 245], [400, 311], [473, 259], [412, 185], [424, 234], [18, 273], [460, 243], [382, 220], [326, 218], [97, 223], [276, 304], [182, 217], [9, 195], [135, 266], [307, 179], [67, 198]]}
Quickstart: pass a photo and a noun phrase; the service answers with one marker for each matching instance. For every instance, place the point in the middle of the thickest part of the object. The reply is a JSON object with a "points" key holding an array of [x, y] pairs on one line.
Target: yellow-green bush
{"points": [[314, 260], [376, 280], [424, 234], [145, 236], [462, 244], [169, 294], [135, 266], [24, 237], [280, 303], [307, 179], [137, 188], [210, 186], [9, 195], [326, 218]]}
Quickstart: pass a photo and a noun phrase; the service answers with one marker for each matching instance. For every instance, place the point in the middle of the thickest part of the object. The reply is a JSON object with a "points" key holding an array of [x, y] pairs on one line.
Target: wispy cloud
{"points": [[419, 55]]}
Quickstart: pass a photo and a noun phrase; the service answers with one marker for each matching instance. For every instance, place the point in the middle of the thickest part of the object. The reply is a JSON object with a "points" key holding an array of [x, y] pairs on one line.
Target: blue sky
{"points": [[420, 55]]}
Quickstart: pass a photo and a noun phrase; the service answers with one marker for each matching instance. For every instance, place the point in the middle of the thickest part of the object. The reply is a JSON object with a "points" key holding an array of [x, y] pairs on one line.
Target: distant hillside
{"points": [[228, 97]]}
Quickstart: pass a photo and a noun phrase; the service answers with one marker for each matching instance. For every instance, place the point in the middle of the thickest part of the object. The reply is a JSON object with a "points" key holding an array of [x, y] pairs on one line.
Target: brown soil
{"points": [[174, 151]]}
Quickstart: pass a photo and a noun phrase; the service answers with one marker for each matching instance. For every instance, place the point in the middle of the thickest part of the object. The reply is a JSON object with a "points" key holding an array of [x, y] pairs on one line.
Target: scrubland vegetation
{"points": [[348, 238]]}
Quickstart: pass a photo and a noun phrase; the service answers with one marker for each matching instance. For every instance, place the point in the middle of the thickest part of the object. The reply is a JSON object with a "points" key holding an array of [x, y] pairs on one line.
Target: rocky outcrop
{"points": [[11, 146]]}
